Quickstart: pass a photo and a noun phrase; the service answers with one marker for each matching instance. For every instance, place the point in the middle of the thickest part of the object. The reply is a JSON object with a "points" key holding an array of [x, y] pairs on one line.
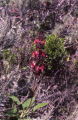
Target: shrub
{"points": [[55, 51]]}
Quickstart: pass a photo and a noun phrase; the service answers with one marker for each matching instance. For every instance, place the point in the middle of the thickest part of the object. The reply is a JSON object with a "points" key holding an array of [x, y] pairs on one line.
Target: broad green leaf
{"points": [[15, 99], [27, 102], [40, 105]]}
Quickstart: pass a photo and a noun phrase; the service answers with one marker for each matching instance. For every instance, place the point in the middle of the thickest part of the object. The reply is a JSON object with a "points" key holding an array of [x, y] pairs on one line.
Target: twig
{"points": [[33, 89], [34, 85], [48, 114], [72, 45]]}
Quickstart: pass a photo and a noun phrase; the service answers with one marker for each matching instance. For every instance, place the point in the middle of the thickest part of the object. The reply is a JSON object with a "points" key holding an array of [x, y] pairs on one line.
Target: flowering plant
{"points": [[48, 54], [38, 55]]}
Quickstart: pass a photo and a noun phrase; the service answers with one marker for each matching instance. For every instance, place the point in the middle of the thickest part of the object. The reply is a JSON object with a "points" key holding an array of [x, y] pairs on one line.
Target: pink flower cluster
{"points": [[37, 63], [37, 54], [38, 41]]}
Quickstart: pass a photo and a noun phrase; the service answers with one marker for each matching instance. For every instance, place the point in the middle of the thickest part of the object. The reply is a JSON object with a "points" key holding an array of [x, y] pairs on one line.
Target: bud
{"points": [[33, 64]]}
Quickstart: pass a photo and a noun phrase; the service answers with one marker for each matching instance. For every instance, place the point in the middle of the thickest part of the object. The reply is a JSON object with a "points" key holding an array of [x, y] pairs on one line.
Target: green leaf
{"points": [[40, 105], [15, 99], [27, 102]]}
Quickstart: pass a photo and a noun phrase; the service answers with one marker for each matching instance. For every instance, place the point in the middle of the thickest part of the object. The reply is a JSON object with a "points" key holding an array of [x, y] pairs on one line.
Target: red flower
{"points": [[35, 54], [37, 68], [42, 68], [43, 42], [33, 64], [14, 10], [37, 65], [43, 54], [37, 41]]}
